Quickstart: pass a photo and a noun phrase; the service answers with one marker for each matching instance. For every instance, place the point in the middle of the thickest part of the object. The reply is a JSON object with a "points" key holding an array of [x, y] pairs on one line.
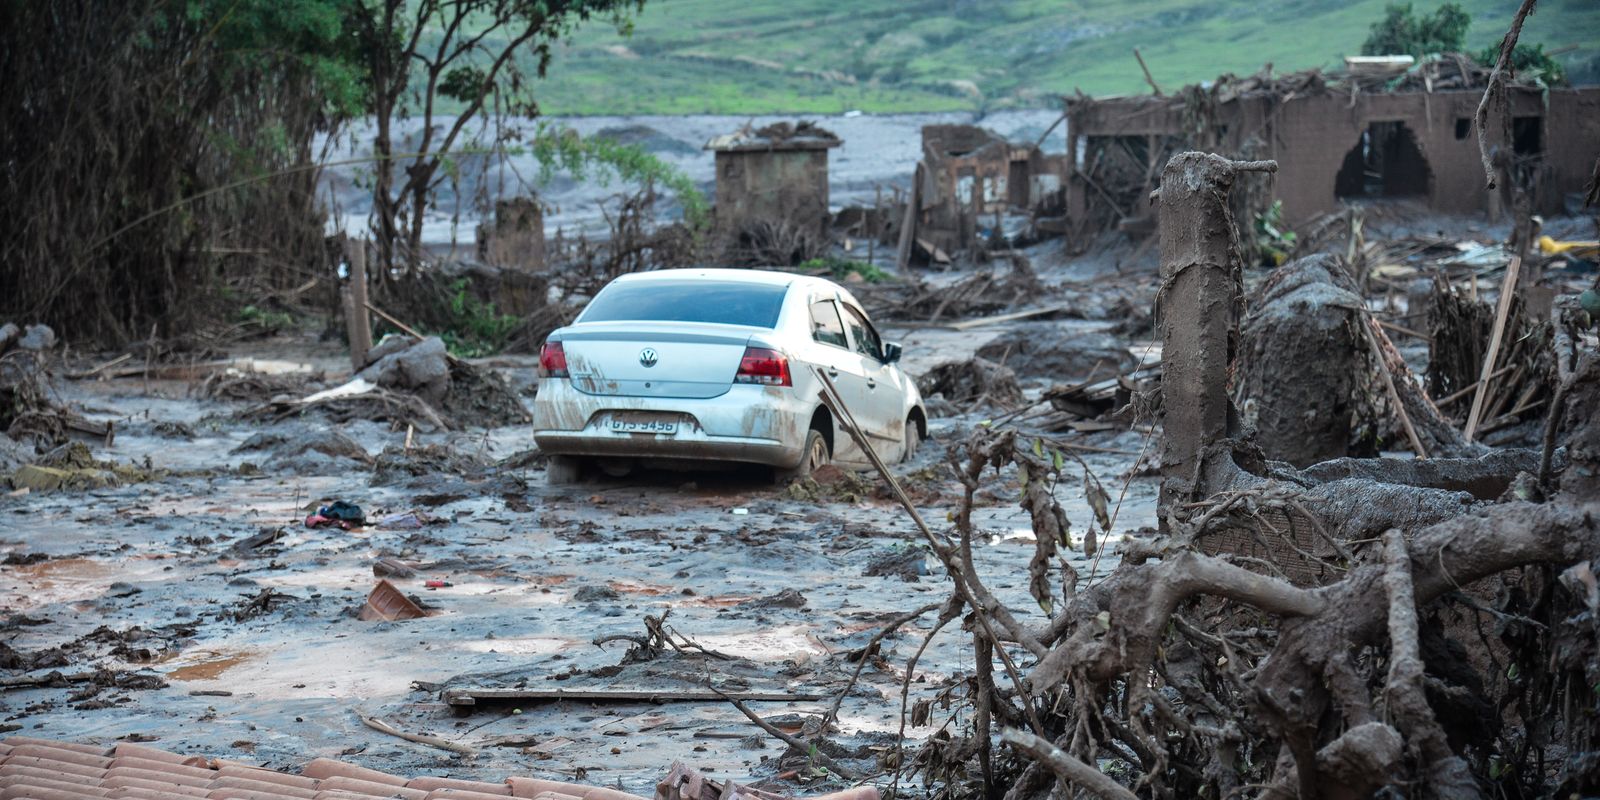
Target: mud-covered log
{"points": [[1302, 361]]}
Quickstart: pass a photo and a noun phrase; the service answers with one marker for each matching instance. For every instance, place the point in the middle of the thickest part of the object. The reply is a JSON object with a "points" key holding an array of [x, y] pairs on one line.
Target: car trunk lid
{"points": [[642, 359]]}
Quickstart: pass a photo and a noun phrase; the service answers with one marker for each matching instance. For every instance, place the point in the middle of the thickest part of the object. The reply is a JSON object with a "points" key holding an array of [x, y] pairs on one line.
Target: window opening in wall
{"points": [[1463, 128], [1527, 136]]}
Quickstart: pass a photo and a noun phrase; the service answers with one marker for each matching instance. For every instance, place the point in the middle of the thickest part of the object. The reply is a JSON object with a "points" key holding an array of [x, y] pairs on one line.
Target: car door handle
{"points": [[872, 384], [833, 372]]}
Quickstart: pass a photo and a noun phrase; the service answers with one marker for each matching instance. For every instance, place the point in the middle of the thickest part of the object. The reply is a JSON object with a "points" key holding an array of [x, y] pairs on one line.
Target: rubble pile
{"points": [[410, 382]]}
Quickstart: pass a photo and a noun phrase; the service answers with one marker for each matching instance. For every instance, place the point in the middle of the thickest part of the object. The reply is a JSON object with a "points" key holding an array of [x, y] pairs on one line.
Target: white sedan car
{"points": [[689, 366]]}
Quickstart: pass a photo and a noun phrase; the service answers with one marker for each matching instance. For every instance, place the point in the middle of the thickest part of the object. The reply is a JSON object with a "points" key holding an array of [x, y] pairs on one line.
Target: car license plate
{"points": [[626, 425]]}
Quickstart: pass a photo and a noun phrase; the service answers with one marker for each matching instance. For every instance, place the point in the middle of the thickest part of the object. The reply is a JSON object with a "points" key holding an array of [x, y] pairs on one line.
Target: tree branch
{"points": [[1065, 766], [1496, 85], [1448, 774]]}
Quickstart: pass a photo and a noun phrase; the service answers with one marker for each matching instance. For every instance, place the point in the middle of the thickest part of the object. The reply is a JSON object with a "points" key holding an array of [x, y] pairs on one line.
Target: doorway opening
{"points": [[1386, 162]]}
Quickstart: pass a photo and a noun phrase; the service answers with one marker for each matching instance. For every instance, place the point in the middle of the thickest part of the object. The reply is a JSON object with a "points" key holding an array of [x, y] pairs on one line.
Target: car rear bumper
{"points": [[754, 424]]}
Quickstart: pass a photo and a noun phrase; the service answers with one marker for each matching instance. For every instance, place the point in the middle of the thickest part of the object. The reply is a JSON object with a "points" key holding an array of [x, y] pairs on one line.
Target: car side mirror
{"points": [[891, 352]]}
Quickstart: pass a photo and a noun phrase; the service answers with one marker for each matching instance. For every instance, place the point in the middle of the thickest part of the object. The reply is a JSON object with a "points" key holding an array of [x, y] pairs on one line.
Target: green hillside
{"points": [[824, 56]]}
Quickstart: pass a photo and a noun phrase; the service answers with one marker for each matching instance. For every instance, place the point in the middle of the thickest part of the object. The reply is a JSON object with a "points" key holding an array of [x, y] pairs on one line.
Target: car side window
{"points": [[826, 326], [867, 341]]}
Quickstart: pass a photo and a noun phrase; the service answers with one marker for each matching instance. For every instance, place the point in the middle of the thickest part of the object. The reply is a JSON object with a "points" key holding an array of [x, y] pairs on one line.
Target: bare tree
{"points": [[480, 55]]}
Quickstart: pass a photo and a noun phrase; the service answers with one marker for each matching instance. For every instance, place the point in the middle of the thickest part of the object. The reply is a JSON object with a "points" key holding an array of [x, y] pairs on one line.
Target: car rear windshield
{"points": [[726, 302]]}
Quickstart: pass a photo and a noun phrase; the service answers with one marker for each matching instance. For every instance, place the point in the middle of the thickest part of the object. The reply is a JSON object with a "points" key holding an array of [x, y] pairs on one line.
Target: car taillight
{"points": [[763, 366], [552, 361]]}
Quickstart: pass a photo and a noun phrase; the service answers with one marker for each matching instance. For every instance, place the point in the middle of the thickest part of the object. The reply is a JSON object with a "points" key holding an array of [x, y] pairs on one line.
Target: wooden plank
{"points": [[908, 224], [1394, 394], [473, 696], [1012, 317], [1508, 289]]}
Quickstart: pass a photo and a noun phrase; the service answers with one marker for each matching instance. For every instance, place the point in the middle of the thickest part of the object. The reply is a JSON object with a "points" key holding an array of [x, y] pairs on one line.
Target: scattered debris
{"points": [[388, 604], [338, 514]]}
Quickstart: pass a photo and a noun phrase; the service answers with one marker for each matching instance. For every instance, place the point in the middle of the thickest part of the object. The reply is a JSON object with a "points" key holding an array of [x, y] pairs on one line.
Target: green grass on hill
{"points": [[817, 56]]}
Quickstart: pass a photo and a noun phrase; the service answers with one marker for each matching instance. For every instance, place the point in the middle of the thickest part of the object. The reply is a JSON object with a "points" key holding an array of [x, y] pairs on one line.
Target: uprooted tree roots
{"points": [[1429, 629], [1182, 674]]}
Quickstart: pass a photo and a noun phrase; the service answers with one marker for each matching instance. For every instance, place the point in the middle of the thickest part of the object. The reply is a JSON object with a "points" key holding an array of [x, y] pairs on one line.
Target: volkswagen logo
{"points": [[648, 357]]}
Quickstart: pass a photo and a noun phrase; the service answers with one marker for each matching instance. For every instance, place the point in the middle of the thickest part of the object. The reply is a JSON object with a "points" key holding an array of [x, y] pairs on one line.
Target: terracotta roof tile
{"points": [[555, 796], [341, 795], [52, 764], [463, 794], [138, 793], [260, 775], [171, 776], [532, 787], [429, 783], [157, 785], [20, 771], [59, 754], [164, 767], [16, 781], [132, 750], [246, 794], [263, 787], [324, 768], [853, 793], [31, 792], [371, 789], [90, 749]]}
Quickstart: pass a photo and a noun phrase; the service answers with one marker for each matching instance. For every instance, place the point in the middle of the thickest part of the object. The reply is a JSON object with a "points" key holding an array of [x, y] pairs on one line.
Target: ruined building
{"points": [[970, 179], [1338, 138], [774, 175]]}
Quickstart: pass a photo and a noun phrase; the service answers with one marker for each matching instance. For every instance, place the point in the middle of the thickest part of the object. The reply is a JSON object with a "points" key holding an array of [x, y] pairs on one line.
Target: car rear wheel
{"points": [[562, 470], [816, 455], [913, 439]]}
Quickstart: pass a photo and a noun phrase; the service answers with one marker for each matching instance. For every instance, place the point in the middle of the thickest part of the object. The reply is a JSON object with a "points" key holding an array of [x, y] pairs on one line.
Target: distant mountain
{"points": [[828, 56]]}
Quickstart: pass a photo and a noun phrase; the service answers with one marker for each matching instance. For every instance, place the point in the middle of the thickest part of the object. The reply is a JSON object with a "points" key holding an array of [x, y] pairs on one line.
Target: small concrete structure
{"points": [[777, 174], [515, 239]]}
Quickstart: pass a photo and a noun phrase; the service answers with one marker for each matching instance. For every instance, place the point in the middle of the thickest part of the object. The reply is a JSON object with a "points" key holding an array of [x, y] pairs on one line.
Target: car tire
{"points": [[913, 439], [816, 455], [562, 470]]}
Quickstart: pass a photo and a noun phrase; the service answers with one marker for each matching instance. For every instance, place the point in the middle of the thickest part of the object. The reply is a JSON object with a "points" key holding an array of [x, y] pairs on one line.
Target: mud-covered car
{"points": [[684, 367]]}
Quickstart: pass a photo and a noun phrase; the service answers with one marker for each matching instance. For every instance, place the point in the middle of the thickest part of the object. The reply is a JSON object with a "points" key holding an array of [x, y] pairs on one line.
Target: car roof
{"points": [[763, 277]]}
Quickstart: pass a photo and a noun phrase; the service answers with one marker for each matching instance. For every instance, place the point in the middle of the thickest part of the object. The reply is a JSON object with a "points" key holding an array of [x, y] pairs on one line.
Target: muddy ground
{"points": [[222, 625], [195, 609]]}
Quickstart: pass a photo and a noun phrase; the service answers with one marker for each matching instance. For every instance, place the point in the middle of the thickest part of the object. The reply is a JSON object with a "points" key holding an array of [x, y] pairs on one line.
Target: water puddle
{"points": [[210, 669]]}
